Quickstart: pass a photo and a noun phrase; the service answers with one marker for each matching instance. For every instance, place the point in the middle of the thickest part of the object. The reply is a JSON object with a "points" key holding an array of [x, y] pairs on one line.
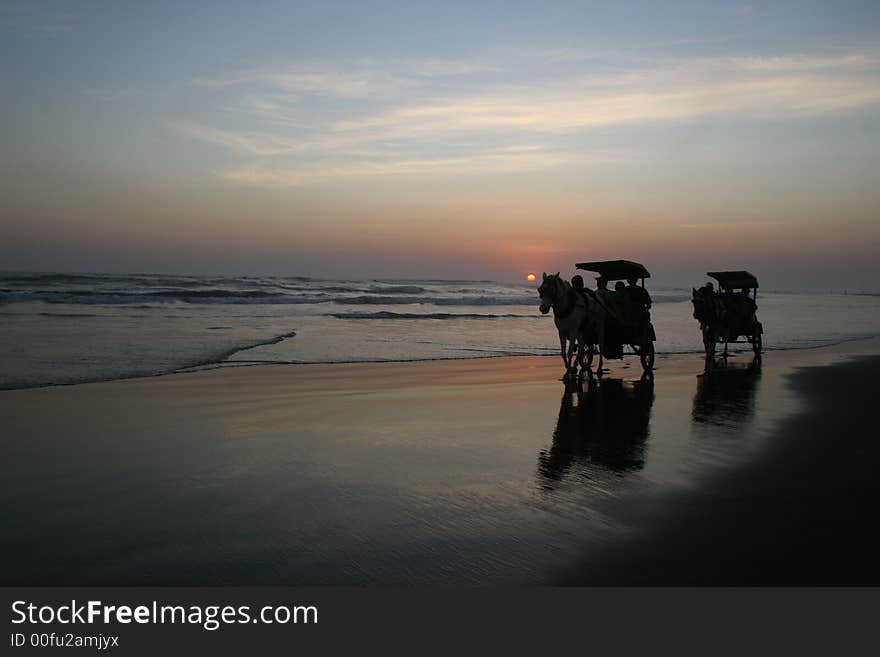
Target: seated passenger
{"points": [[738, 309], [639, 299], [577, 282], [638, 295], [613, 302]]}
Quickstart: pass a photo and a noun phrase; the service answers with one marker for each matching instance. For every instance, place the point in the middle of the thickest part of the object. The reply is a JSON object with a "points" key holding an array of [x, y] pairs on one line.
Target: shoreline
{"points": [[224, 364], [465, 471]]}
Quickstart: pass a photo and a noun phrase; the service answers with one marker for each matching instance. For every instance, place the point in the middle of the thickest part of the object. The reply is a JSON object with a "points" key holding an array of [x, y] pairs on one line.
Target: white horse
{"points": [[579, 319]]}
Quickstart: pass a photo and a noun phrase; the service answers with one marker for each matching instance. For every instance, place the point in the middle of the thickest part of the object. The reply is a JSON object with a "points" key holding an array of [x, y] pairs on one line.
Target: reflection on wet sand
{"points": [[726, 393], [603, 424]]}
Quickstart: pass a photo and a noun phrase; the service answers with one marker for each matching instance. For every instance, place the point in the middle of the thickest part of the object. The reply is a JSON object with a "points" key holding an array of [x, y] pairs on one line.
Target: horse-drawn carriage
{"points": [[601, 320], [729, 313], [627, 311]]}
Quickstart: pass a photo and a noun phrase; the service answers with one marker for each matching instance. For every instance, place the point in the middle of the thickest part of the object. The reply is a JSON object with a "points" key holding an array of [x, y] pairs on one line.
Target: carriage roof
{"points": [[734, 279], [615, 270]]}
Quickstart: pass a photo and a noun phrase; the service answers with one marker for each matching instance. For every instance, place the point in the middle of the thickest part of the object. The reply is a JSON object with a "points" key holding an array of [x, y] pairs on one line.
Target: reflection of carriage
{"points": [[625, 323], [605, 431], [729, 314], [726, 395]]}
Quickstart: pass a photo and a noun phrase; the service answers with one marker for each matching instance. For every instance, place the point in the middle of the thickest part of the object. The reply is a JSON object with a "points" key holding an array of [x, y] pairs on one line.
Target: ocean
{"points": [[58, 328]]}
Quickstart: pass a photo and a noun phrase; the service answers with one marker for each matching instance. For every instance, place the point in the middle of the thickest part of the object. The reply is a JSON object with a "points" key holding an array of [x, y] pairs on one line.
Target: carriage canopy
{"points": [[730, 280], [615, 270]]}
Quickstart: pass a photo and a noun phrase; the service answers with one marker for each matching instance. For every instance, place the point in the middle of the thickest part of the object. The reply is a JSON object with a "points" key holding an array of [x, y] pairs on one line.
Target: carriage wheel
{"points": [[757, 343], [646, 355]]}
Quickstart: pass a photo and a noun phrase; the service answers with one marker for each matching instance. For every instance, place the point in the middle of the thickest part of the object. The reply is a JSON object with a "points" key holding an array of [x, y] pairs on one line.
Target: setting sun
{"points": [[531, 277]]}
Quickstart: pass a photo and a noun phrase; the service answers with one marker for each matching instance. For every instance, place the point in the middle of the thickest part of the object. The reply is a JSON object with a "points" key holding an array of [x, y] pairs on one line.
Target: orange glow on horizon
{"points": [[531, 277]]}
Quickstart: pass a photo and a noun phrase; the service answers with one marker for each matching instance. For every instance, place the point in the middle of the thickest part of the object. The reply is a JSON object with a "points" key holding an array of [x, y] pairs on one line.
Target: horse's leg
{"points": [[568, 363], [580, 354], [600, 336], [562, 352]]}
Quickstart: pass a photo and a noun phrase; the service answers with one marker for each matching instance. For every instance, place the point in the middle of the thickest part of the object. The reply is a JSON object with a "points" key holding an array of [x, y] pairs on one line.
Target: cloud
{"points": [[405, 113], [734, 225], [512, 160], [248, 143], [363, 79]]}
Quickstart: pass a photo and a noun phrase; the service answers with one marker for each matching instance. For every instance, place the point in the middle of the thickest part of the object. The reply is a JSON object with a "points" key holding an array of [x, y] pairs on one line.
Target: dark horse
{"points": [[707, 311]]}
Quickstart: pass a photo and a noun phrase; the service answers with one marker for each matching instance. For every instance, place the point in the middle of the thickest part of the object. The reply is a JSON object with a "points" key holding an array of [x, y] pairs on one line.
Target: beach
{"points": [[484, 471]]}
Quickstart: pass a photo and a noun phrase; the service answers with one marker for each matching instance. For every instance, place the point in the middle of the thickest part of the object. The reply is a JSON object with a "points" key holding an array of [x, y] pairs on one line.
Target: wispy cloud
{"points": [[719, 226], [511, 160], [337, 114], [245, 142], [363, 79], [354, 84]]}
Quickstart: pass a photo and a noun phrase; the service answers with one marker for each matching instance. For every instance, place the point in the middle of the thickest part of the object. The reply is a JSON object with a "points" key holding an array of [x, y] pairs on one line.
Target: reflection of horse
{"points": [[576, 316], [607, 429], [726, 394]]}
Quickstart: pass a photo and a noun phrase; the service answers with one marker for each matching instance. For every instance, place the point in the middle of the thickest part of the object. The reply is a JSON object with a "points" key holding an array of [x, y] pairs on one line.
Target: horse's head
{"points": [[548, 291]]}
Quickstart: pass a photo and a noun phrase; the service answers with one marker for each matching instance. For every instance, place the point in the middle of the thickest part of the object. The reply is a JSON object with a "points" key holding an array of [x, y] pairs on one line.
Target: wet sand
{"points": [[447, 472], [803, 511]]}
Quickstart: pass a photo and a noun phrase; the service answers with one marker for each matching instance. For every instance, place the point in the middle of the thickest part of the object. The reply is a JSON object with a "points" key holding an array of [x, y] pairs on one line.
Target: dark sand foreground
{"points": [[452, 472], [802, 512]]}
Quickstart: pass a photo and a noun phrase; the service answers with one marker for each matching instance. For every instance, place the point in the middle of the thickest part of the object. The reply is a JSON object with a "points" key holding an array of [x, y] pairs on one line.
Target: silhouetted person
{"points": [[739, 309], [638, 295], [710, 310], [577, 283], [620, 287], [639, 299], [601, 283], [709, 295]]}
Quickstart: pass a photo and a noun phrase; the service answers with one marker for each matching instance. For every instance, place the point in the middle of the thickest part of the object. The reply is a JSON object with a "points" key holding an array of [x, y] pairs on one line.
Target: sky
{"points": [[451, 140]]}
